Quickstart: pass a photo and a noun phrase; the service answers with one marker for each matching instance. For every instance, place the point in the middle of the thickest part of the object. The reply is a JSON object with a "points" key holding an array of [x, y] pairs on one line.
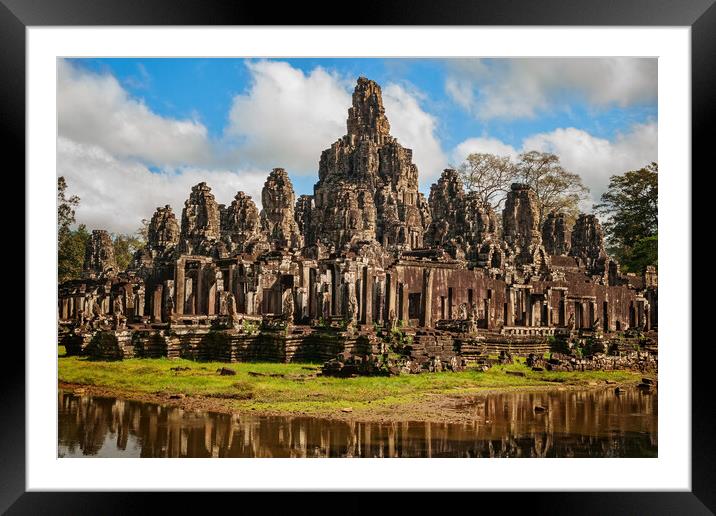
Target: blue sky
{"points": [[132, 132]]}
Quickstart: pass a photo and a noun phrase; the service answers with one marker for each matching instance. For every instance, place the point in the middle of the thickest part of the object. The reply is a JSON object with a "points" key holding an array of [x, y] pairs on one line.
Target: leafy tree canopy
{"points": [[557, 189], [630, 209], [70, 243]]}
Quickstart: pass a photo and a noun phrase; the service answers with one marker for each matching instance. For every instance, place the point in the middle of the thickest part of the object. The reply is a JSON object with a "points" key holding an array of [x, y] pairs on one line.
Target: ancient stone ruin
{"points": [[364, 266]]}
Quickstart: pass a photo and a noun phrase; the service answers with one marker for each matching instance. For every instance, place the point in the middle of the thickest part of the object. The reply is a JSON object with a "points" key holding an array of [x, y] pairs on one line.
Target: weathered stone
{"points": [[200, 222], [461, 222], [241, 226], [446, 205], [99, 256], [368, 185], [163, 231], [520, 226], [277, 217], [588, 244], [556, 236]]}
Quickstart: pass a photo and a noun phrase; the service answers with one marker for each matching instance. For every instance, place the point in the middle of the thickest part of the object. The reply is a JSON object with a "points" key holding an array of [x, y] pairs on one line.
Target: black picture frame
{"points": [[17, 15]]}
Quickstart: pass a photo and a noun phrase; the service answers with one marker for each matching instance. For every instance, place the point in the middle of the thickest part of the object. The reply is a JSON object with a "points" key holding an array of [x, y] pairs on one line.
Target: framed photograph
{"points": [[415, 253]]}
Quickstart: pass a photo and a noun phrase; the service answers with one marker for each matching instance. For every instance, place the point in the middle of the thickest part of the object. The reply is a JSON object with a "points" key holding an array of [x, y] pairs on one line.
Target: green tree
{"points": [[631, 217], [65, 206], [71, 253], [556, 188], [125, 246], [70, 243]]}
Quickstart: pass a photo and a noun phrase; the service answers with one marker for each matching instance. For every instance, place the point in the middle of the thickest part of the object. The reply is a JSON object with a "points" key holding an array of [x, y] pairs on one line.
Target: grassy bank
{"points": [[295, 388]]}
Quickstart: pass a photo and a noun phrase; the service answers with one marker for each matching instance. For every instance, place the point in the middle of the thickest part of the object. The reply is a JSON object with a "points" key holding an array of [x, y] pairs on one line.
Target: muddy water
{"points": [[590, 423]]}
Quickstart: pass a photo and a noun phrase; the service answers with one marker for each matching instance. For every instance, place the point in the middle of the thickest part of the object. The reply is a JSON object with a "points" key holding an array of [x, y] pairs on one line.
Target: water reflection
{"points": [[595, 423]]}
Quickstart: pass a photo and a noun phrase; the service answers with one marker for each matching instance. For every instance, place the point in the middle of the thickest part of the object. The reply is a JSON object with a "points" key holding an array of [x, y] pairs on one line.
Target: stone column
{"points": [[368, 282], [200, 304], [427, 299], [180, 284], [229, 287], [250, 302], [157, 304], [312, 294], [358, 287], [189, 303], [529, 308], [129, 302], [585, 315], [510, 307], [335, 291], [404, 315], [390, 293], [489, 323], [211, 299], [639, 313]]}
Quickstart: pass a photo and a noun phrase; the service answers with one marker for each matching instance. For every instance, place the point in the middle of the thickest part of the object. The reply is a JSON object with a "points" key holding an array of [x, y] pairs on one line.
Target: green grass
{"points": [[61, 351], [296, 388]]}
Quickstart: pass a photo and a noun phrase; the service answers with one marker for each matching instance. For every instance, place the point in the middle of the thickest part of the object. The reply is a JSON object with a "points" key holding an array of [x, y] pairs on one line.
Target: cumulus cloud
{"points": [[525, 87], [287, 117], [484, 145], [594, 159], [116, 194], [416, 129], [95, 109]]}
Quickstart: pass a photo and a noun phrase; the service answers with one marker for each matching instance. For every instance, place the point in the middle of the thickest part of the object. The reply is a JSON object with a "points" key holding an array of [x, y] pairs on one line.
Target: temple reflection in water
{"points": [[574, 424]]}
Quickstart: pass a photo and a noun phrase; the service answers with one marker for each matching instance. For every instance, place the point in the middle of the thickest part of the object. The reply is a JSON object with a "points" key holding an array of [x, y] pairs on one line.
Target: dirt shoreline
{"points": [[429, 407]]}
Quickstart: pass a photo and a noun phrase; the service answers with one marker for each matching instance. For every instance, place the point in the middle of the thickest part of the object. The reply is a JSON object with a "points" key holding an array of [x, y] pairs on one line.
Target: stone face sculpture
{"points": [[556, 236], [302, 213], [241, 226], [277, 216], [520, 225], [368, 185], [588, 244], [163, 231], [99, 256], [200, 222], [459, 219]]}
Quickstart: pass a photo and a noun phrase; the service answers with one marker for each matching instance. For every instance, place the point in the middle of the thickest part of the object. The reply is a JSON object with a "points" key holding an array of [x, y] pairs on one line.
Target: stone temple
{"points": [[363, 257]]}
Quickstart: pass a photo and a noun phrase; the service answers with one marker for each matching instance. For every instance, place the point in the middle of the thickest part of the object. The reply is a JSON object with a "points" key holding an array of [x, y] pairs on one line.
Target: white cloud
{"points": [[414, 128], [117, 194], [524, 87], [287, 117], [94, 109], [482, 145], [594, 159]]}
